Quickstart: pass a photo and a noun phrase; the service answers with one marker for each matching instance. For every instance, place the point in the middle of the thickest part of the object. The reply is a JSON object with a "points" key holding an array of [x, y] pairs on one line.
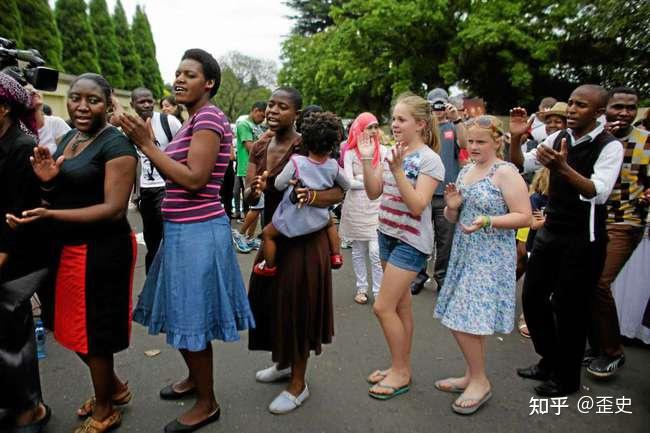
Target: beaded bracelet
{"points": [[486, 222]]}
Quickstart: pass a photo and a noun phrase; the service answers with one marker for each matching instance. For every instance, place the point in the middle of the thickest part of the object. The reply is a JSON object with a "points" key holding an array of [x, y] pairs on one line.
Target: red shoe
{"points": [[262, 270], [336, 260]]}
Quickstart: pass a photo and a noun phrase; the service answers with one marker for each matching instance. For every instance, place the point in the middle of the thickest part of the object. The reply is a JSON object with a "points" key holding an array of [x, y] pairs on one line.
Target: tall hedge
{"points": [[79, 47], [128, 54], [107, 48], [10, 23], [146, 49], [40, 30]]}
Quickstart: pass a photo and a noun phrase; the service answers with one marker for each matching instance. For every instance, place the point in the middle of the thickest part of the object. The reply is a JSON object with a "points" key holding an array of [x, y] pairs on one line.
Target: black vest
{"points": [[565, 211]]}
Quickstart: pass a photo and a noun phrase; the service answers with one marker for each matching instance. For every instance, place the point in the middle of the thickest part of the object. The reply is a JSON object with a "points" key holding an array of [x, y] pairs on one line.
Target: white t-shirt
{"points": [[53, 129], [149, 176]]}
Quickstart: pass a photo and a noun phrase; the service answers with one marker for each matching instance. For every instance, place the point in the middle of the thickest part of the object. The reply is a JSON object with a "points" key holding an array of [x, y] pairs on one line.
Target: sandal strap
{"points": [[91, 425]]}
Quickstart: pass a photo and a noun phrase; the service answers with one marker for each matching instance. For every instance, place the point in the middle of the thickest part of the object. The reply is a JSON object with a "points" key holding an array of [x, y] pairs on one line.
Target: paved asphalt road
{"points": [[339, 401]]}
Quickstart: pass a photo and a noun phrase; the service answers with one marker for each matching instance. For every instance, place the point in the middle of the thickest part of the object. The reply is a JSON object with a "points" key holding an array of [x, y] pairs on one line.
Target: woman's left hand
{"points": [[476, 225], [395, 163], [28, 216], [139, 131]]}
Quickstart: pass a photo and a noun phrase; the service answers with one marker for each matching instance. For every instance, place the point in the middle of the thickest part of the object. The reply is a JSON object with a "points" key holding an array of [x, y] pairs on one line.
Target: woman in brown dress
{"points": [[293, 310]]}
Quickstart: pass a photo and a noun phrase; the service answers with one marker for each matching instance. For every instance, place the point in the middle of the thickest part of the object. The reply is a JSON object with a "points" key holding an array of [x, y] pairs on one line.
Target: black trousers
{"points": [[562, 273], [152, 222], [21, 385], [226, 191], [443, 238]]}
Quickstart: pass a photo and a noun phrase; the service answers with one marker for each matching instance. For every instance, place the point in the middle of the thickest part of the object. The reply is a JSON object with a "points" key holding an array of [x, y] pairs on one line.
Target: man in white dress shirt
{"points": [[569, 251]]}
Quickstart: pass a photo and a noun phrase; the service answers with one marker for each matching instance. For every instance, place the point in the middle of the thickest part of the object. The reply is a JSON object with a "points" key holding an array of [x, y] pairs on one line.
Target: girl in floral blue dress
{"points": [[489, 201]]}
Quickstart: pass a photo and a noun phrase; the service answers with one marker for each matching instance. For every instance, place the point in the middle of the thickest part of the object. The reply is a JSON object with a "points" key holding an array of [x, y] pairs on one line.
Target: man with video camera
{"points": [[23, 254]]}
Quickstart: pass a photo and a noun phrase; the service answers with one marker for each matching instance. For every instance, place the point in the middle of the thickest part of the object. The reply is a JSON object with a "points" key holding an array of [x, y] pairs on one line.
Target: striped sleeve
{"points": [[212, 120]]}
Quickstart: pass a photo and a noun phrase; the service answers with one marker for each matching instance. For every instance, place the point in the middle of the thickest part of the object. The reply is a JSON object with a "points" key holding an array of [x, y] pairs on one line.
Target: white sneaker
{"points": [[286, 402], [272, 374]]}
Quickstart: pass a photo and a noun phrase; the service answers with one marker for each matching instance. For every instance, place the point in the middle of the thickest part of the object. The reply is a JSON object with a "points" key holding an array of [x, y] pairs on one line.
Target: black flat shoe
{"points": [[534, 372], [550, 388], [169, 393], [37, 426], [177, 427]]}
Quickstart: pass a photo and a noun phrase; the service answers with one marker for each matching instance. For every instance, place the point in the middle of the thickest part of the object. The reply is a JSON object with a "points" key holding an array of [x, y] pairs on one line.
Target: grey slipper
{"points": [[453, 388], [469, 410]]}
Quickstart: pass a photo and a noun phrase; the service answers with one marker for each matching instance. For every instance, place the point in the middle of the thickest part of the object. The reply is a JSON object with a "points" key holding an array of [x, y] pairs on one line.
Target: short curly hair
{"points": [[321, 132], [211, 69]]}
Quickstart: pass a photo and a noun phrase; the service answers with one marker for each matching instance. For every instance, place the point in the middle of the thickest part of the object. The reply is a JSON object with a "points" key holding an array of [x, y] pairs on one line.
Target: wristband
{"points": [[486, 222], [313, 199]]}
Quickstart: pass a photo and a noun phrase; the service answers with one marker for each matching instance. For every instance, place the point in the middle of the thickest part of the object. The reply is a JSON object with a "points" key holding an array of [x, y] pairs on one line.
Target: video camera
{"points": [[34, 73]]}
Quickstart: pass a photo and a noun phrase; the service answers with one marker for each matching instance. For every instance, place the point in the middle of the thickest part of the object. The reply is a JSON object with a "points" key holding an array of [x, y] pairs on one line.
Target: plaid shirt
{"points": [[623, 206]]}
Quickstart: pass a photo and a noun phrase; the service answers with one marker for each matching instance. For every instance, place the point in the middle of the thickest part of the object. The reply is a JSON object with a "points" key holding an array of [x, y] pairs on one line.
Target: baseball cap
{"points": [[438, 95]]}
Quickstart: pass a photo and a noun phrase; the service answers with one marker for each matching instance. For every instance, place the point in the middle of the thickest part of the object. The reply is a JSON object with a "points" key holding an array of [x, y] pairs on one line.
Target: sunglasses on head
{"points": [[484, 122]]}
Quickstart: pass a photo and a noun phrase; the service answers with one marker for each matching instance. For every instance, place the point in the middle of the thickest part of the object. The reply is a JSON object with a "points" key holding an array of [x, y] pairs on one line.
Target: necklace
{"points": [[82, 138]]}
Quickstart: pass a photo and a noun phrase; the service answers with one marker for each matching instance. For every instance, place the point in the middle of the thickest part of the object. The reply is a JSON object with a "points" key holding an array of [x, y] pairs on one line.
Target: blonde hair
{"points": [[420, 109], [540, 182]]}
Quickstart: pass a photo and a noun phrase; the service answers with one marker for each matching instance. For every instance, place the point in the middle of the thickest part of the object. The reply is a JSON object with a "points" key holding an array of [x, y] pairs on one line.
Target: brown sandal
{"points": [[121, 398], [91, 425]]}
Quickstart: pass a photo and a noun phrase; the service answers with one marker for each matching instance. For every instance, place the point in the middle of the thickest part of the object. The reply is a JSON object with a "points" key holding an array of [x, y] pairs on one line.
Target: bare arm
{"points": [[373, 181], [118, 183], [515, 194], [418, 198], [461, 135], [192, 175]]}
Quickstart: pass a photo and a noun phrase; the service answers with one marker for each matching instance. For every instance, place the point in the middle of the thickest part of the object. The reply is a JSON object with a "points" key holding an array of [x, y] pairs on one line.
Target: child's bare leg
{"points": [[250, 221], [269, 247], [333, 238]]}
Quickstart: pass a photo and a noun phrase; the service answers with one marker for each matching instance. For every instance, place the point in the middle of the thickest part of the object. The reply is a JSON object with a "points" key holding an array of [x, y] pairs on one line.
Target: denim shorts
{"points": [[400, 254]]}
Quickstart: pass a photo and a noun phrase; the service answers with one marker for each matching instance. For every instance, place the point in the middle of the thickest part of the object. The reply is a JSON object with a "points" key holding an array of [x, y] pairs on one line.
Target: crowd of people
{"points": [[559, 199]]}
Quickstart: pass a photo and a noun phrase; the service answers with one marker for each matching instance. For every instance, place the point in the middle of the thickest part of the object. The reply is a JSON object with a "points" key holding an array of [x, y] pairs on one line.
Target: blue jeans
{"points": [[400, 254]]}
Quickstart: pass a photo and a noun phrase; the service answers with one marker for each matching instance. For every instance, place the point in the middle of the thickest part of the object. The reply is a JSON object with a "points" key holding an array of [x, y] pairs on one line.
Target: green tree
{"points": [[128, 55], [40, 31], [244, 80], [10, 24], [375, 50], [146, 48], [107, 47], [79, 47], [607, 43], [312, 16]]}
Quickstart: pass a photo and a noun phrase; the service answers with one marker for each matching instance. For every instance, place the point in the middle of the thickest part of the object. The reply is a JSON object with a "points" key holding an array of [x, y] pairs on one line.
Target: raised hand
{"points": [[395, 163], [451, 112], [519, 123], [453, 197], [45, 167], [551, 158], [365, 145]]}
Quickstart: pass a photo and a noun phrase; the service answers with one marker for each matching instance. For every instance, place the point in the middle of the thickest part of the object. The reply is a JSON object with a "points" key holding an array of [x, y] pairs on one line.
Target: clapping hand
{"points": [[551, 158], [538, 220], [45, 167], [395, 163], [139, 131], [453, 197]]}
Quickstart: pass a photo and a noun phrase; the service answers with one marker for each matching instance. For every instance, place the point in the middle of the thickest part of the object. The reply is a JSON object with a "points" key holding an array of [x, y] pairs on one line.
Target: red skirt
{"points": [[92, 295]]}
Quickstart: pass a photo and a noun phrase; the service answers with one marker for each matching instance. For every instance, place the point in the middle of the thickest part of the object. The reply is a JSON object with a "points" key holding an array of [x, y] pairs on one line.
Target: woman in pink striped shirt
{"points": [[194, 291]]}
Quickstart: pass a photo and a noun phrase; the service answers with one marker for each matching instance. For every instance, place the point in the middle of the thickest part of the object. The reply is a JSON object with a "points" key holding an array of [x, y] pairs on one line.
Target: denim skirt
{"points": [[194, 290]]}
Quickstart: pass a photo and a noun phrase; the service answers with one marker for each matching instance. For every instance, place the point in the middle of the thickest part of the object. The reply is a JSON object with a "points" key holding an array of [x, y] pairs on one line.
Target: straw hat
{"points": [[558, 109]]}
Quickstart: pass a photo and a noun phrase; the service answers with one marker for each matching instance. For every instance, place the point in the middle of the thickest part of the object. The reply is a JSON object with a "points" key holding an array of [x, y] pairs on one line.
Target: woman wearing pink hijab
{"points": [[360, 215]]}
